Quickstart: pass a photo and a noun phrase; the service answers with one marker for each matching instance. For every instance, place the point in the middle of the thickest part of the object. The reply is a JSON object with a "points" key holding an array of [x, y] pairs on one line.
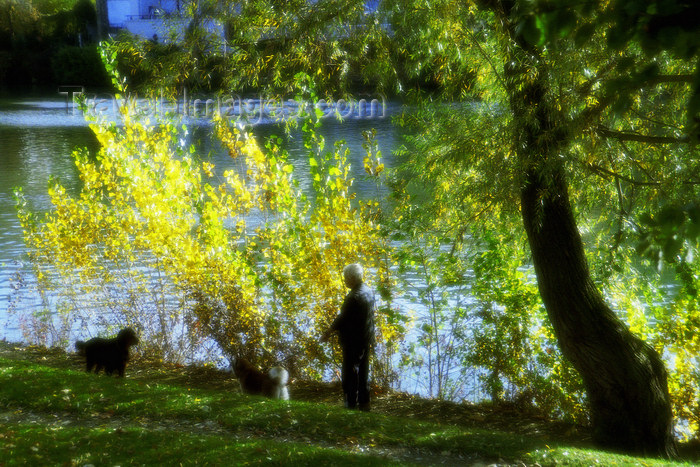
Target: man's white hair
{"points": [[353, 272]]}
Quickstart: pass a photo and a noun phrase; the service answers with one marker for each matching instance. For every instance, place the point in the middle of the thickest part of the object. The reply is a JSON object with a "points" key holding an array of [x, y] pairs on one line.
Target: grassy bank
{"points": [[53, 413]]}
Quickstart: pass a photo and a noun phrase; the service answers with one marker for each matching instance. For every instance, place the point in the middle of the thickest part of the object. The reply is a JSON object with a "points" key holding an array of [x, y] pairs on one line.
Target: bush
{"points": [[79, 66]]}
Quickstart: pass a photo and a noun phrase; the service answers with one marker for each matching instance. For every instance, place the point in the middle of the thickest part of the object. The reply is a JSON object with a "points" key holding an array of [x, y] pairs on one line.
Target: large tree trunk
{"points": [[624, 377]]}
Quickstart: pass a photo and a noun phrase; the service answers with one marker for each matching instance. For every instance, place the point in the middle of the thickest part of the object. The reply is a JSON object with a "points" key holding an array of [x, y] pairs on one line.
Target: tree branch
{"points": [[626, 136], [603, 172], [661, 79], [586, 116], [627, 152]]}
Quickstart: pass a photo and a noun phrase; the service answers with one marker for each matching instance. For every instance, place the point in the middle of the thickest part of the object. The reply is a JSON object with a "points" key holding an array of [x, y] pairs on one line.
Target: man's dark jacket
{"points": [[355, 323]]}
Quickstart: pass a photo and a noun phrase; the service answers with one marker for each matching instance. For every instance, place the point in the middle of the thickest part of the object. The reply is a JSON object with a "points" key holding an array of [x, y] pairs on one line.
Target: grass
{"points": [[53, 413]]}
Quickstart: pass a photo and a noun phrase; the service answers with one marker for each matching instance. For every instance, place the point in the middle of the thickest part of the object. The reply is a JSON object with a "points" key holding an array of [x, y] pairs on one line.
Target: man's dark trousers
{"points": [[356, 379]]}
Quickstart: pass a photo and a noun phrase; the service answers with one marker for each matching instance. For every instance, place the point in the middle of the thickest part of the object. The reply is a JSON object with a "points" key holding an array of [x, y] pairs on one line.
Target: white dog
{"points": [[281, 377], [253, 381]]}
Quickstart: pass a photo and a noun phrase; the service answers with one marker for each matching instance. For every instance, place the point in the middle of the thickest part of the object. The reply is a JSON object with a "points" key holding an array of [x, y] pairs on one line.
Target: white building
{"points": [[153, 19], [162, 19]]}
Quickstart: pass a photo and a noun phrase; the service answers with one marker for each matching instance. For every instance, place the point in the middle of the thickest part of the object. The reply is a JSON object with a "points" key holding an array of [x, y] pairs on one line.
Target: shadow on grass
{"points": [[72, 445], [51, 407]]}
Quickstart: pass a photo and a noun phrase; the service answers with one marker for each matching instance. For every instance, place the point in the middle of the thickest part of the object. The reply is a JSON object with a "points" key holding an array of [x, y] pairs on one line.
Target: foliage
{"points": [[78, 65], [271, 42], [17, 19], [668, 318], [343, 45], [624, 148], [434, 275], [425, 58], [484, 313], [671, 235], [38, 36], [513, 341], [434, 279], [675, 333], [168, 65], [656, 46], [455, 220], [660, 28]]}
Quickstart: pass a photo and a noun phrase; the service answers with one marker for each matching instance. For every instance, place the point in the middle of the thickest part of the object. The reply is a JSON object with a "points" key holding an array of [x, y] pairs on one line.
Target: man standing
{"points": [[355, 326]]}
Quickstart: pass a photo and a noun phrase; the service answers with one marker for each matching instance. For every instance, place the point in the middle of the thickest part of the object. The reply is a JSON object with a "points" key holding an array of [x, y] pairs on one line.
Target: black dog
{"points": [[110, 354], [272, 384]]}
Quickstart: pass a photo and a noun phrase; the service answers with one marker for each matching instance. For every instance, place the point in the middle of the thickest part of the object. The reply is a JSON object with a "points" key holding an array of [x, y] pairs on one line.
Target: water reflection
{"points": [[43, 113], [36, 141]]}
